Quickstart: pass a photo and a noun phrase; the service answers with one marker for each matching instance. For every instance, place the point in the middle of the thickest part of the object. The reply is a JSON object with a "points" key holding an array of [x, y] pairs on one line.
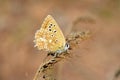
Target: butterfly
{"points": [[50, 37]]}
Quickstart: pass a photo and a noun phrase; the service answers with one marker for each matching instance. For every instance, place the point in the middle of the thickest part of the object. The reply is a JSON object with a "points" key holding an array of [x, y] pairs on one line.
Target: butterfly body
{"points": [[50, 37]]}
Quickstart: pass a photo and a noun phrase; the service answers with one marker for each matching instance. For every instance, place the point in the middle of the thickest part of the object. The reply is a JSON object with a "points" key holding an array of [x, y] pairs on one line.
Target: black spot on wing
{"points": [[50, 30], [54, 31], [52, 35], [56, 41], [51, 24]]}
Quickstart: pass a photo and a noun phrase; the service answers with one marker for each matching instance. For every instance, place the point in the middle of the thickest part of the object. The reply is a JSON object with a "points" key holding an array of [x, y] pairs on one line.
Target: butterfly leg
{"points": [[51, 54], [60, 55], [56, 55]]}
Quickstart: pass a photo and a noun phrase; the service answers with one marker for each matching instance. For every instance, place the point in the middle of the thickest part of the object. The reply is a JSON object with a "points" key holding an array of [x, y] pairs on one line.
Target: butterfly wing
{"points": [[50, 36]]}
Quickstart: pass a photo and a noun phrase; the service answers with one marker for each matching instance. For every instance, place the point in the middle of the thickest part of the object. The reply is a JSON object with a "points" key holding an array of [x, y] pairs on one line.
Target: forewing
{"points": [[50, 36]]}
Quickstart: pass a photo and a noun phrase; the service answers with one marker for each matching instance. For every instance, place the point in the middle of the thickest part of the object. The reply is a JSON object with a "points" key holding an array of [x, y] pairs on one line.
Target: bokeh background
{"points": [[97, 58]]}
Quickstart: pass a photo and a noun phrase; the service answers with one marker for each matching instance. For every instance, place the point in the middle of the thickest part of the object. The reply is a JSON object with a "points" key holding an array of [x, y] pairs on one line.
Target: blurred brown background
{"points": [[97, 58]]}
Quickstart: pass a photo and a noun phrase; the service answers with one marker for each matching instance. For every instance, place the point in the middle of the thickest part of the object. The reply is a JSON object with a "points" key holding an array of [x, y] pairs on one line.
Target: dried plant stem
{"points": [[46, 70]]}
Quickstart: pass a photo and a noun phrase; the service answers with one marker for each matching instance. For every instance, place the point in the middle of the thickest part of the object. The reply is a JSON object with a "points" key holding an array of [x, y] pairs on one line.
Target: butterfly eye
{"points": [[67, 45], [54, 25]]}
